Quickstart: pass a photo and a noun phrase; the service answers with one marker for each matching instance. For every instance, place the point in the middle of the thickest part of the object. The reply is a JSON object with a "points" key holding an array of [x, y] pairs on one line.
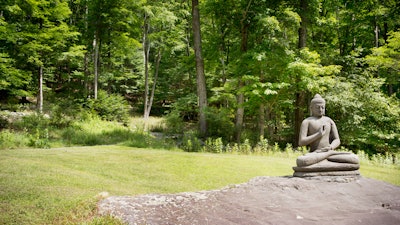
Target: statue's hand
{"points": [[324, 149], [322, 130]]}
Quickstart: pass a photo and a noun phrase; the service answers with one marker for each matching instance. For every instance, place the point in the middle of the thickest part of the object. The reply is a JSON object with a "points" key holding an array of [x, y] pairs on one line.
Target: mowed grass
{"points": [[61, 186], [50, 186], [384, 172]]}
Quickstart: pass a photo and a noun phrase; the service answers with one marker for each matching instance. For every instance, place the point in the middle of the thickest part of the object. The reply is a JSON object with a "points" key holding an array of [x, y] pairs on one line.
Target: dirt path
{"points": [[267, 200]]}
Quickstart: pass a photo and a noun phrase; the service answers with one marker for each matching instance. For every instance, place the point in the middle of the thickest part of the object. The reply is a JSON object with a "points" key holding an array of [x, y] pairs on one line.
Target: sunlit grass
{"points": [[388, 173], [59, 186], [43, 186], [150, 124]]}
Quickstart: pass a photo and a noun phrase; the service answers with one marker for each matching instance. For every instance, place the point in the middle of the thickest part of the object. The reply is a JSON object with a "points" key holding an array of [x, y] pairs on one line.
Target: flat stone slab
{"points": [[266, 200]]}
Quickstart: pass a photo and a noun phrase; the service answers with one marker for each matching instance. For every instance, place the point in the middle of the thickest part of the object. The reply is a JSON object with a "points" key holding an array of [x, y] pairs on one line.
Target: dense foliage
{"points": [[263, 62]]}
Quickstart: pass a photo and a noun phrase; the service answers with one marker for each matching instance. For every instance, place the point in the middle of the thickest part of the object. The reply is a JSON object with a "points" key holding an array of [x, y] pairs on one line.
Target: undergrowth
{"points": [[41, 131]]}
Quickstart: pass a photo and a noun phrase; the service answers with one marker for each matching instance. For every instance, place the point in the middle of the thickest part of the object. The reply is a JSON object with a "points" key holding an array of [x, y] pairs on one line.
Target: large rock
{"points": [[266, 200]]}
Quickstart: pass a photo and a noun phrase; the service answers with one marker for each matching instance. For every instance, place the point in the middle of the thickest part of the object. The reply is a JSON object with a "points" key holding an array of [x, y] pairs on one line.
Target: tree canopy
{"points": [[263, 61]]}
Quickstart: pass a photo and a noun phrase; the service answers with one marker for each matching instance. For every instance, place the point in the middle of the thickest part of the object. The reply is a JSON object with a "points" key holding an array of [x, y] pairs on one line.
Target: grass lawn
{"points": [[59, 186]]}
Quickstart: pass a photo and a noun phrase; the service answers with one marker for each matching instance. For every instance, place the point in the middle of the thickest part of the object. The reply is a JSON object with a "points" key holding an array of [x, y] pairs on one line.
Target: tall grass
{"points": [[155, 124], [95, 132], [36, 131]]}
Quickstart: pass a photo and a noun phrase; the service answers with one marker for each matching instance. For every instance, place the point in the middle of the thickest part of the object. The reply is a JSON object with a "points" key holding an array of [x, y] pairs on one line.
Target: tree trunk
{"points": [[270, 125], [240, 97], [40, 94], [385, 32], [86, 58], [146, 52], [303, 24], [239, 113], [153, 89], [95, 63], [299, 115], [201, 80], [300, 94], [261, 120], [86, 74], [390, 89], [376, 31]]}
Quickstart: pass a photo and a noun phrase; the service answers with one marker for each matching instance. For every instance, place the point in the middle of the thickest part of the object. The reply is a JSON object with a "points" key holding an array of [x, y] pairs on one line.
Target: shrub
{"points": [[174, 123], [110, 107], [40, 139], [245, 148], [232, 148], [65, 111], [220, 123], [3, 122], [190, 142], [12, 140], [31, 122], [262, 146], [186, 107], [214, 145]]}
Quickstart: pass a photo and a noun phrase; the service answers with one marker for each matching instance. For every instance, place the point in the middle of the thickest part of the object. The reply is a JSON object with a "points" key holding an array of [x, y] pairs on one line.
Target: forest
{"points": [[232, 70]]}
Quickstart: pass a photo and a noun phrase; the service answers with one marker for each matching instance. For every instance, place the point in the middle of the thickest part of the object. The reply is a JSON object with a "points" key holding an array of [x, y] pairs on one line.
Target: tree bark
{"points": [[299, 115], [376, 31], [270, 125], [40, 94], [201, 80], [239, 113], [86, 58], [303, 24], [95, 63], [146, 52], [153, 89], [240, 97], [300, 94], [261, 120]]}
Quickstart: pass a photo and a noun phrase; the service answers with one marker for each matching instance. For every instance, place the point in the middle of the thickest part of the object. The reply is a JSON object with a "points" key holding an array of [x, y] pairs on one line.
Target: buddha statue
{"points": [[320, 133]]}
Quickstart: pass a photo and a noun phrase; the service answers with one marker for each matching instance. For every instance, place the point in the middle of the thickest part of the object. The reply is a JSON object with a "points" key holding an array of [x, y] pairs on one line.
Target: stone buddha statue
{"points": [[321, 134]]}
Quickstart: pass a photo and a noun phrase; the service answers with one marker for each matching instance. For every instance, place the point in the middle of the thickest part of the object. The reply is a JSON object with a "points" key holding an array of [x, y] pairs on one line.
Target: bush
{"points": [[262, 146], [111, 107], [31, 122], [12, 140], [214, 145], [3, 122], [186, 107], [65, 111], [174, 123], [190, 142], [40, 139], [220, 123]]}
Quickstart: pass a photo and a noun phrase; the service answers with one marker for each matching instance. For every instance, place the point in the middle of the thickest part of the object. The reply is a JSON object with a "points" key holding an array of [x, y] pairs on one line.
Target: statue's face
{"points": [[318, 109]]}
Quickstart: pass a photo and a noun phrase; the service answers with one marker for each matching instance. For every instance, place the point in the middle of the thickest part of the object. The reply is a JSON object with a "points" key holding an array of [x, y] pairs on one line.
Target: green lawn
{"points": [[59, 186]]}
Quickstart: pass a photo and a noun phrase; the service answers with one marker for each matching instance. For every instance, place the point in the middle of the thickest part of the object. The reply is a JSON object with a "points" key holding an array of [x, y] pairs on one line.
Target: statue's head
{"points": [[317, 106]]}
